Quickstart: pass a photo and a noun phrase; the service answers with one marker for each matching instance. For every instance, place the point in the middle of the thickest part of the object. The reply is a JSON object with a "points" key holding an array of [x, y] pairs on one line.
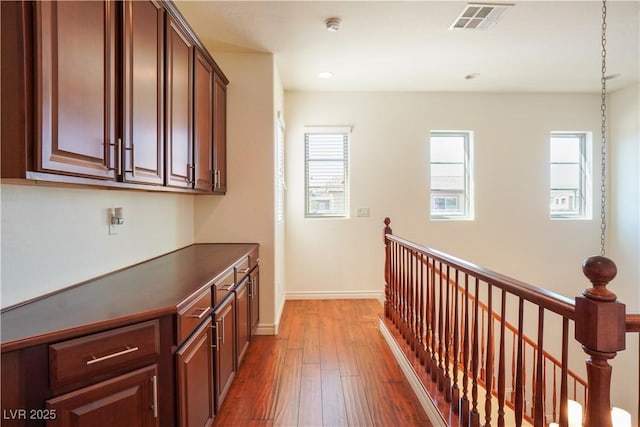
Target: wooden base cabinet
{"points": [[195, 379], [224, 354], [127, 400], [254, 300]]}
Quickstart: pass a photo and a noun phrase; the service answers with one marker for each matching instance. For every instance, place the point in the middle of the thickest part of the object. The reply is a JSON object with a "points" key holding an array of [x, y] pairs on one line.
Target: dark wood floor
{"points": [[328, 366]]}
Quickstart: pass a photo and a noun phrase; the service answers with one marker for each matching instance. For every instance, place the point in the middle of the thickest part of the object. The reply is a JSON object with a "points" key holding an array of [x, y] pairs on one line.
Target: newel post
{"points": [[600, 328], [387, 267]]}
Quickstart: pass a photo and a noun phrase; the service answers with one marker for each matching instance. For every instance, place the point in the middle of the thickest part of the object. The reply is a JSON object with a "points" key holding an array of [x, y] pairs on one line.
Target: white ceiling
{"points": [[542, 46]]}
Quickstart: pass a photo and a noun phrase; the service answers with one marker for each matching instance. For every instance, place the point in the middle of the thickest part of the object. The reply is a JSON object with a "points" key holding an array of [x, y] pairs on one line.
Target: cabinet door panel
{"points": [[254, 298], [203, 123], [143, 62], [224, 356], [242, 319], [220, 133], [179, 51], [75, 49], [195, 379], [125, 400]]}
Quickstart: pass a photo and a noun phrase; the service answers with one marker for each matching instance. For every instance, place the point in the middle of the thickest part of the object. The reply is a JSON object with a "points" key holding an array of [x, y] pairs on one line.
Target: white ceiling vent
{"points": [[480, 16]]}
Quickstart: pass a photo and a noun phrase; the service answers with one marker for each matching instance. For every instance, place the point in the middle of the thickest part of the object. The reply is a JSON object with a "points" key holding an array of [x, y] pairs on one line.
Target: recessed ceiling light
{"points": [[325, 75]]}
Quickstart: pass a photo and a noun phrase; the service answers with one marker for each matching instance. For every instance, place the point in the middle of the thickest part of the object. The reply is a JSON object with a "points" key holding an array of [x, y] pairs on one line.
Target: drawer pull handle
{"points": [[202, 313], [244, 271], [226, 288], [154, 383], [110, 356]]}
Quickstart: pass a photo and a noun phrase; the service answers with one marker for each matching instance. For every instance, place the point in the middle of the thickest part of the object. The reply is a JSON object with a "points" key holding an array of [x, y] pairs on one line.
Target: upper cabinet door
{"points": [[179, 151], [75, 87], [143, 80], [203, 123], [220, 134]]}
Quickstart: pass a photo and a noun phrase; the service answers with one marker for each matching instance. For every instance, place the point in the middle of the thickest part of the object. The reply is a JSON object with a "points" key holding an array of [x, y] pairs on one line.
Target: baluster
{"points": [[455, 392], [447, 339], [475, 415], [429, 337], [387, 268], [554, 401], [512, 398], [411, 302], [534, 361], [420, 309], [405, 329], [564, 373], [482, 346], [434, 330], [464, 401], [538, 416], [489, 361], [520, 367], [440, 330], [501, 362]]}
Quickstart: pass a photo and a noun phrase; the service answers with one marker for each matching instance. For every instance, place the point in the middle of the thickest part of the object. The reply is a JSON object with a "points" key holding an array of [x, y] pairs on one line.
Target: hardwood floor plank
{"points": [[287, 403], [333, 407], [355, 399], [310, 413]]}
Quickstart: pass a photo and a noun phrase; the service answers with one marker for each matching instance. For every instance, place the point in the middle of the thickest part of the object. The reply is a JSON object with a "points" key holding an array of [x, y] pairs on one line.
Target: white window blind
{"points": [[450, 178], [568, 180], [326, 174]]}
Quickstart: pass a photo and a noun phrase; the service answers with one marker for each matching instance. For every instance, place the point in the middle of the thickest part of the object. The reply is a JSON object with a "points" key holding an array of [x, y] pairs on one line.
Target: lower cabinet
{"points": [[127, 400], [224, 358], [254, 300], [194, 372]]}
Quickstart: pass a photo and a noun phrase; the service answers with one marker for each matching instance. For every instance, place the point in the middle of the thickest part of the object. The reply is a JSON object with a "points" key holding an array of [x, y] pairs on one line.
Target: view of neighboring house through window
{"points": [[569, 175], [326, 173], [450, 177]]}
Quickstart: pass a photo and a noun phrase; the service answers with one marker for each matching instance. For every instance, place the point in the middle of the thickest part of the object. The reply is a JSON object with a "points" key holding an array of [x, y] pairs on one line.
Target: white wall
{"points": [[624, 230], [512, 232], [280, 242], [55, 237], [246, 212]]}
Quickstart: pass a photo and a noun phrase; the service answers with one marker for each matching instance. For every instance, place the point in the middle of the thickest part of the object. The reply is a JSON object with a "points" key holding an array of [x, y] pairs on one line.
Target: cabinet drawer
{"points": [[96, 354], [254, 258], [193, 314], [242, 268], [224, 285]]}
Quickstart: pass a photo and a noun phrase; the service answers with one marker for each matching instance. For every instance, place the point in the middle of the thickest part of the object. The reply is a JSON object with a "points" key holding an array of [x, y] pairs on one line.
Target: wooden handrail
{"points": [[545, 298], [444, 327]]}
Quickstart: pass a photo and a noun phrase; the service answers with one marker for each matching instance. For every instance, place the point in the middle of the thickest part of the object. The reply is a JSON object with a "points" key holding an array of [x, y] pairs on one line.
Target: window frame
{"points": [[584, 188], [345, 134], [466, 194]]}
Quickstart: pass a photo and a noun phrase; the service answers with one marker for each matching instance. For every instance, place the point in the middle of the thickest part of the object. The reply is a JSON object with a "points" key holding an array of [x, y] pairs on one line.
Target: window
{"points": [[326, 173], [451, 196], [568, 184]]}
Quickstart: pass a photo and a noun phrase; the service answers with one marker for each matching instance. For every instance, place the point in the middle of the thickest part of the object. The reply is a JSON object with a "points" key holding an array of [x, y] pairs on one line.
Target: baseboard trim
{"points": [[304, 295], [263, 329], [421, 393]]}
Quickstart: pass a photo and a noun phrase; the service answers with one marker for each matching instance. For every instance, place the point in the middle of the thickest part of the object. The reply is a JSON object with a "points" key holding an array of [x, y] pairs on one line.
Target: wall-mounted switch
{"points": [[362, 212]]}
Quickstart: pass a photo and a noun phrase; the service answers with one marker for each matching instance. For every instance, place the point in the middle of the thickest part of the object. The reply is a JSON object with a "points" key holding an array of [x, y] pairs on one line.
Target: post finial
{"points": [[600, 271], [387, 229]]}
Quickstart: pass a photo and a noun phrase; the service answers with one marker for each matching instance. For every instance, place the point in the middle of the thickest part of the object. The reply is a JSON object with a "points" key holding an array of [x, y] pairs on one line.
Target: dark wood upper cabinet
{"points": [[203, 123], [75, 44], [220, 133], [142, 145], [110, 93], [179, 154]]}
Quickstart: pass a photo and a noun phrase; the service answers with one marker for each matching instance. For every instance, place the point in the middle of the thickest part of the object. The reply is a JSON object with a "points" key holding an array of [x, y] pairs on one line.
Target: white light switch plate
{"points": [[362, 212]]}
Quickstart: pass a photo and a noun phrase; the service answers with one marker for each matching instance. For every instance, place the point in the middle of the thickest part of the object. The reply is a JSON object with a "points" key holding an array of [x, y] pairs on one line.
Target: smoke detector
{"points": [[332, 24], [480, 16]]}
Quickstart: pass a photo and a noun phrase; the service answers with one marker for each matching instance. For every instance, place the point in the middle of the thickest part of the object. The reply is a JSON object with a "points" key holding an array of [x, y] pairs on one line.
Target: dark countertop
{"points": [[147, 290]]}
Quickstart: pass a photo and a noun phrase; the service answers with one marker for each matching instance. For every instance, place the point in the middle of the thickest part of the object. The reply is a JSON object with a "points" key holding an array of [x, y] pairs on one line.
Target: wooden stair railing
{"points": [[441, 305]]}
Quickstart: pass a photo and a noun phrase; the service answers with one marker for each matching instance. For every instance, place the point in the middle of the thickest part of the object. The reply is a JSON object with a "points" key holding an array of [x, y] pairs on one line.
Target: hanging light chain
{"points": [[603, 133]]}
